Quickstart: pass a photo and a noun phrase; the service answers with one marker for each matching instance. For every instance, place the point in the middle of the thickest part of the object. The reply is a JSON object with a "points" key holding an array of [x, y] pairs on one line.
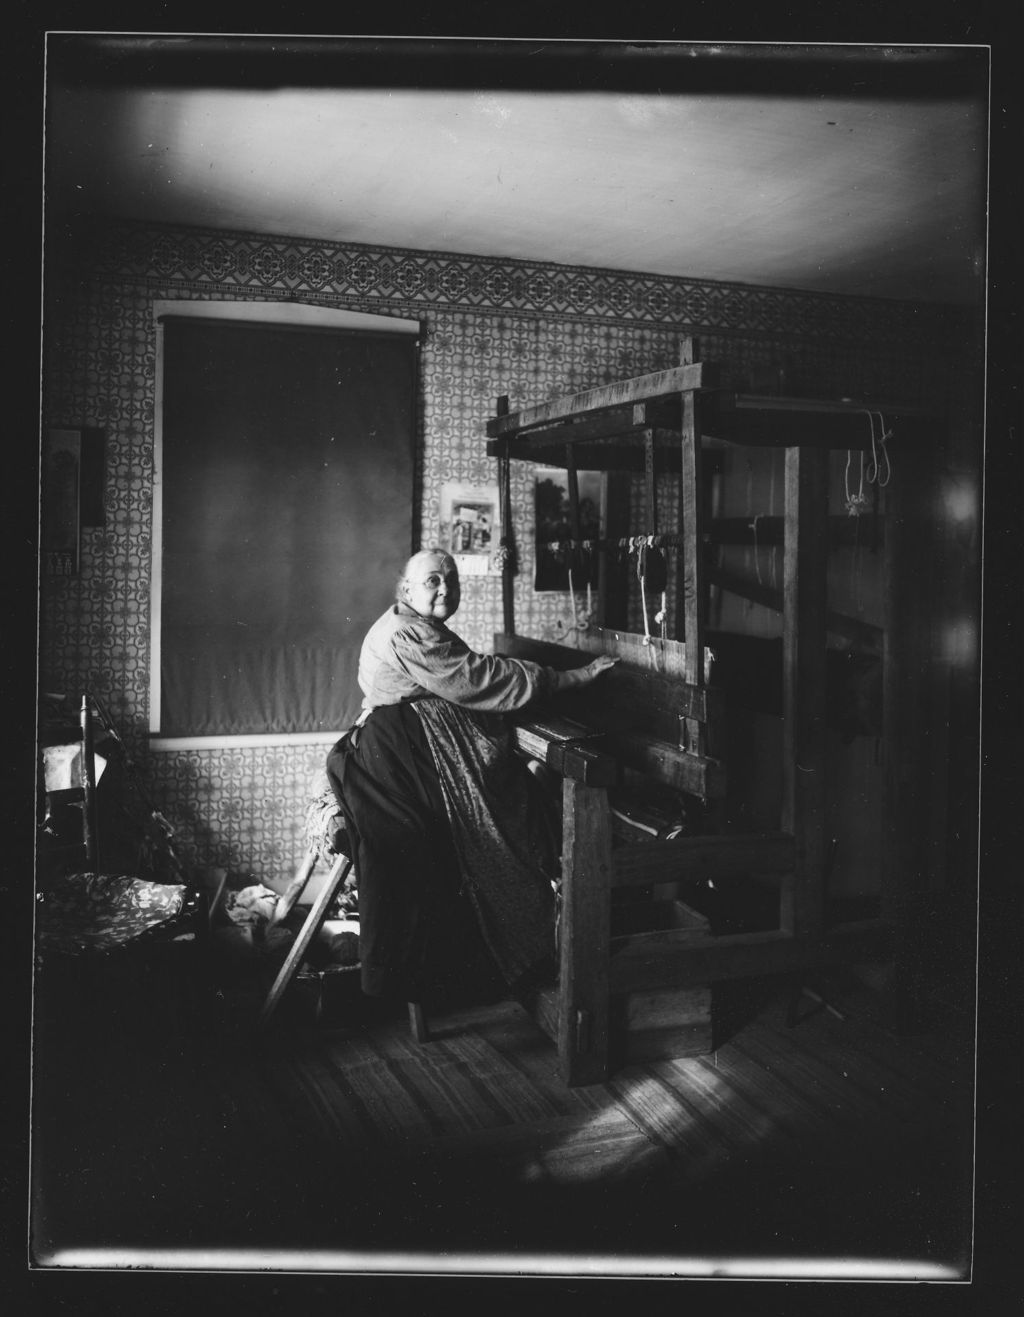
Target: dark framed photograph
{"points": [[556, 557]]}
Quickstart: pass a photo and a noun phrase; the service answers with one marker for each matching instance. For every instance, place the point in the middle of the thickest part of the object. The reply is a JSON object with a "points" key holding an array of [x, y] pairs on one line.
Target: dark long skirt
{"points": [[427, 909]]}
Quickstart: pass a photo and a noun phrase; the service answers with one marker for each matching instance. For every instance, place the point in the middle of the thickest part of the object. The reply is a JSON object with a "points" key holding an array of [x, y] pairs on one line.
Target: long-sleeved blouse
{"points": [[405, 657]]}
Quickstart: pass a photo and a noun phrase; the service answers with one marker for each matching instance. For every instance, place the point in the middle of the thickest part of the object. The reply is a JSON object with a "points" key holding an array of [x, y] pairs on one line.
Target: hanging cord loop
{"points": [[855, 503], [580, 618], [643, 605], [651, 570], [884, 435]]}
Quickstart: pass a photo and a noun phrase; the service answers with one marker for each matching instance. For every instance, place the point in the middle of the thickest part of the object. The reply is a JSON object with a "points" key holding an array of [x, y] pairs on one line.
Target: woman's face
{"points": [[432, 587]]}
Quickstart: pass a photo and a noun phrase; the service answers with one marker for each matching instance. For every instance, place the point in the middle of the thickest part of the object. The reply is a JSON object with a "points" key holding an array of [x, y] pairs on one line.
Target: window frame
{"points": [[273, 314]]}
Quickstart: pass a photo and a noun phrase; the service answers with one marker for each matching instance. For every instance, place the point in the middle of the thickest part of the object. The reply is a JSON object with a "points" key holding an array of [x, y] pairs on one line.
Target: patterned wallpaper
{"points": [[525, 329]]}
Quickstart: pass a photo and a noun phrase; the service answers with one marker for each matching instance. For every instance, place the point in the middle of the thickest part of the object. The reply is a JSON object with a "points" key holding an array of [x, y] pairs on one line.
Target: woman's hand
{"points": [[601, 664], [584, 676]]}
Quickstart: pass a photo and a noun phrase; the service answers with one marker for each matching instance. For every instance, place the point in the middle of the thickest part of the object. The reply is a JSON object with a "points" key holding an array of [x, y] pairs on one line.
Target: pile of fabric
{"points": [[248, 931]]}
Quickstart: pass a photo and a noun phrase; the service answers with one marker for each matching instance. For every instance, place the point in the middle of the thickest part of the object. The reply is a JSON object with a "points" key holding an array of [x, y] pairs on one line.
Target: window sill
{"points": [[169, 744]]}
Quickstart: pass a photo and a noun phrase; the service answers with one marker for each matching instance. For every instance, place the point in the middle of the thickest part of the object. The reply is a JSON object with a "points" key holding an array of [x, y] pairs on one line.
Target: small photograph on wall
{"points": [[554, 525], [470, 527]]}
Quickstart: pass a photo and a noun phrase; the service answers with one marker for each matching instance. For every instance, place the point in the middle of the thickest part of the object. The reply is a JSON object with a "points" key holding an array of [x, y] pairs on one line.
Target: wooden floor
{"points": [[832, 1145]]}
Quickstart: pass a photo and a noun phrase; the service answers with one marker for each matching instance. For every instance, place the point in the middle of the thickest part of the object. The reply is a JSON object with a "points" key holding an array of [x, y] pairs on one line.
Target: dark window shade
{"points": [[287, 484]]}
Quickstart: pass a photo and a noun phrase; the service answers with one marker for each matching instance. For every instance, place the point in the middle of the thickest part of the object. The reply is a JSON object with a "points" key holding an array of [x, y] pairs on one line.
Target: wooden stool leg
{"points": [[293, 891], [313, 923], [299, 948], [418, 1023]]}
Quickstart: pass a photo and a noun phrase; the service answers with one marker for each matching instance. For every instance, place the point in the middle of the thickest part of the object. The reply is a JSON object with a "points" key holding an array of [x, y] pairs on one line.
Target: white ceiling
{"points": [[838, 190]]}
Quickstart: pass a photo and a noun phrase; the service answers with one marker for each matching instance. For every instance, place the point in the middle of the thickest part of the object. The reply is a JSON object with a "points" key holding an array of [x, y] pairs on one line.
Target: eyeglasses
{"points": [[451, 582]]}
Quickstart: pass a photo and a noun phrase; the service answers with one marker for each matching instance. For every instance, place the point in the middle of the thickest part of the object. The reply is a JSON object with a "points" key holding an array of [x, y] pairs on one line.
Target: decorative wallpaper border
{"points": [[226, 262]]}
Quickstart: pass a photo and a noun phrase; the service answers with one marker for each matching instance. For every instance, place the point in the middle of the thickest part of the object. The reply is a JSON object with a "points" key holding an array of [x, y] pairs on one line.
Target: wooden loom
{"points": [[625, 992]]}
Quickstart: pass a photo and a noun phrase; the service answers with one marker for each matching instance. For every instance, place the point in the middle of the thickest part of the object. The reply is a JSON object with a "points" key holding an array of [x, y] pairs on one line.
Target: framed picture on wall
{"points": [[71, 495], [553, 556], [470, 526], [61, 502]]}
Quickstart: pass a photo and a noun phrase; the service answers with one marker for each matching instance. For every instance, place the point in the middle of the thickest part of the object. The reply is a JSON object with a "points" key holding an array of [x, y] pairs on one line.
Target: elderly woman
{"points": [[445, 819]]}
